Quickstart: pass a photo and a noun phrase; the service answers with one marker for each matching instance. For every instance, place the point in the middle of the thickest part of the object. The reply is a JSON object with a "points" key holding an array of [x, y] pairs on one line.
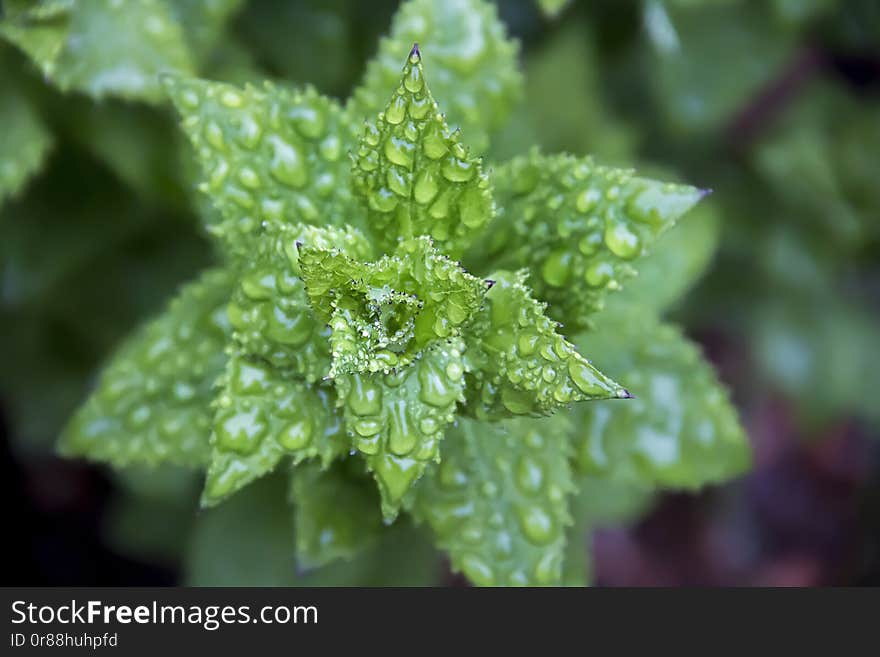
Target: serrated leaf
{"points": [[151, 404], [474, 69], [498, 502], [383, 314], [270, 311], [680, 430], [336, 512], [578, 226], [415, 176], [396, 420], [24, 143], [268, 155], [523, 366], [102, 47], [262, 415]]}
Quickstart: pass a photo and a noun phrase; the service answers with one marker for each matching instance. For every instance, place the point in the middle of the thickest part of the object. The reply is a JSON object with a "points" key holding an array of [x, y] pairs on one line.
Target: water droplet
{"points": [[309, 121], [396, 111], [621, 240], [241, 430], [214, 135], [587, 199], [412, 79], [297, 435], [477, 570], [599, 274], [426, 187], [249, 178], [331, 148], [365, 397], [585, 378], [536, 524], [458, 170], [435, 389], [232, 98], [557, 268], [287, 164], [451, 476], [529, 475], [367, 428], [399, 151], [291, 329], [401, 437], [454, 371]]}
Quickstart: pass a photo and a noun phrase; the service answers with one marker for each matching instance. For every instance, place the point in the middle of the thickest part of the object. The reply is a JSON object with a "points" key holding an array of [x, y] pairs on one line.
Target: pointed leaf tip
{"points": [[415, 53]]}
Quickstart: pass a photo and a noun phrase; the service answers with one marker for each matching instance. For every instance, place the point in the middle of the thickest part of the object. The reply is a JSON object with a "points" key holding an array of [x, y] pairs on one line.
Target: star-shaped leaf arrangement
{"points": [[397, 310]]}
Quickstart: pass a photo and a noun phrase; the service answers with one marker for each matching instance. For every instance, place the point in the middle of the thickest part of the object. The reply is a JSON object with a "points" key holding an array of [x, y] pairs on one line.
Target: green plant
{"points": [[386, 307]]}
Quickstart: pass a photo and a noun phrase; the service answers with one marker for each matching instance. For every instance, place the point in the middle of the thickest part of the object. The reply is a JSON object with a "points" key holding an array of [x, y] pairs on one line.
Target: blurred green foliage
{"points": [[774, 105]]}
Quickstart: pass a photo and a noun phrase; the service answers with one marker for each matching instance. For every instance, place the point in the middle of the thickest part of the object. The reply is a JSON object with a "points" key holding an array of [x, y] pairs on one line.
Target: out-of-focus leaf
{"points": [[498, 502], [151, 404], [267, 155], [25, 140], [680, 431], [104, 47], [336, 512], [473, 64]]}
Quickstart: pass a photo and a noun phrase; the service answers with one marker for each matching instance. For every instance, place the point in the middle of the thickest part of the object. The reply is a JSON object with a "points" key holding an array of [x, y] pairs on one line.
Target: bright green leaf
{"points": [[396, 420], [578, 226], [270, 311], [261, 416], [680, 430], [416, 177], [383, 314], [152, 402], [498, 502], [523, 365], [473, 64]]}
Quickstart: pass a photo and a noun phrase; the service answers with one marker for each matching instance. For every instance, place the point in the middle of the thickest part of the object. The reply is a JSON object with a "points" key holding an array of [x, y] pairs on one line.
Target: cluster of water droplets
{"points": [[415, 176], [531, 369], [261, 415], [497, 501], [577, 225], [397, 419], [151, 404]]}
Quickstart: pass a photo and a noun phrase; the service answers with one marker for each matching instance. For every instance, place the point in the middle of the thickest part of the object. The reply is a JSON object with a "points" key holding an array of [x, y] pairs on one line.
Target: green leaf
{"points": [[680, 430], [102, 47], [578, 226], [336, 512], [261, 416], [396, 420], [268, 155], [498, 502], [523, 365], [415, 176], [474, 70], [383, 314], [270, 311], [151, 404], [24, 143]]}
